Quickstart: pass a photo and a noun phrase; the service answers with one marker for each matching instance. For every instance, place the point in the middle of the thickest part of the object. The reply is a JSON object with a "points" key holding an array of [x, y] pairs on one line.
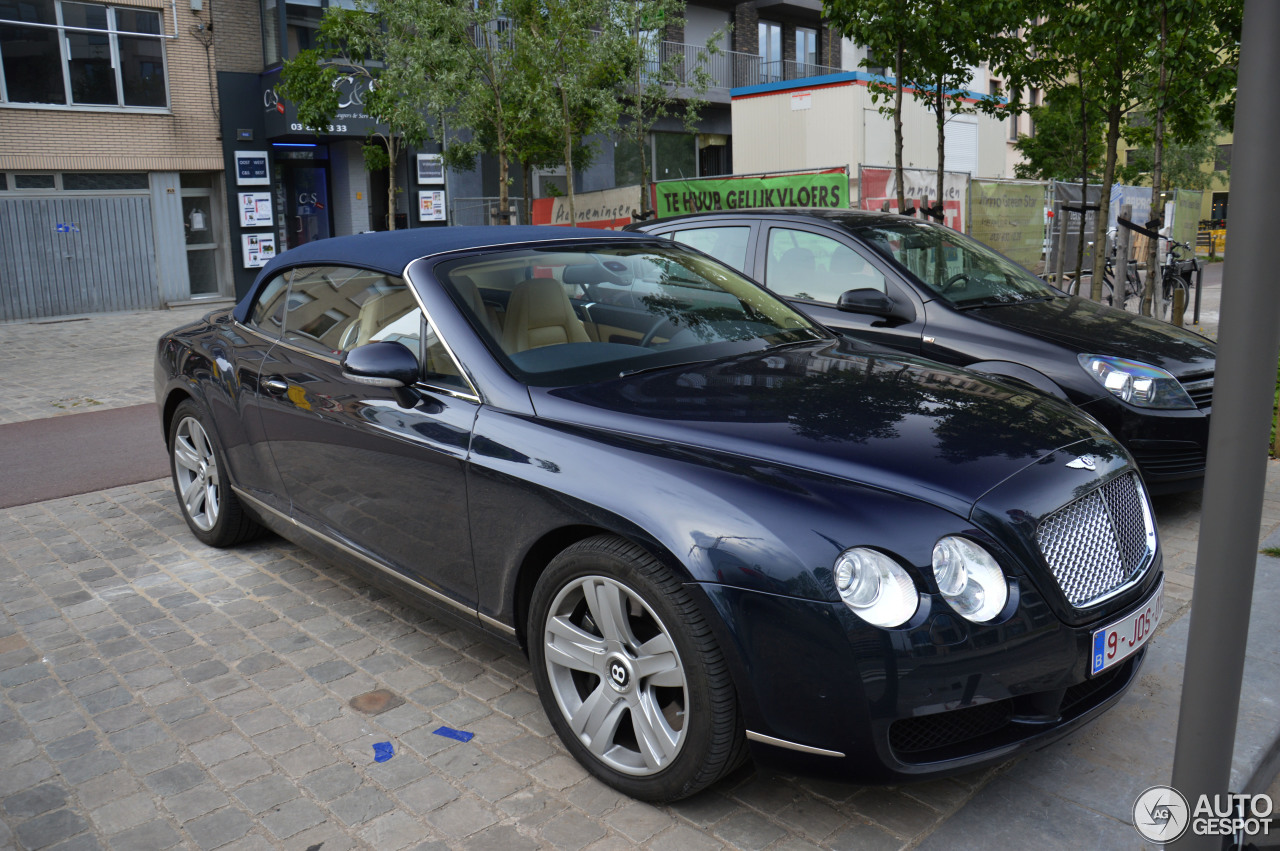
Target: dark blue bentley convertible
{"points": [[715, 526]]}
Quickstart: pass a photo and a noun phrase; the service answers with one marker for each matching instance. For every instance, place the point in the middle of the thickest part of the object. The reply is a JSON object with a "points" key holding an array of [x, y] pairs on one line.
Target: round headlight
{"points": [[875, 587], [969, 579]]}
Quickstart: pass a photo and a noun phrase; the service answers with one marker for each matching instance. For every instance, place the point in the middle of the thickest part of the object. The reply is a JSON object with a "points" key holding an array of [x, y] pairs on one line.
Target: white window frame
{"points": [[113, 35]]}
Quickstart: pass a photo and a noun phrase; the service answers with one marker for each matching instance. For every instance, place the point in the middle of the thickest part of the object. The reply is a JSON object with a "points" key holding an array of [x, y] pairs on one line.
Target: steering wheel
{"points": [[665, 323], [952, 281]]}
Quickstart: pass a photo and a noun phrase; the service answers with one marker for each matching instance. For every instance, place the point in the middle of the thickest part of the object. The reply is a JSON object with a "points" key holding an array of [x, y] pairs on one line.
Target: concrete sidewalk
{"points": [[156, 693]]}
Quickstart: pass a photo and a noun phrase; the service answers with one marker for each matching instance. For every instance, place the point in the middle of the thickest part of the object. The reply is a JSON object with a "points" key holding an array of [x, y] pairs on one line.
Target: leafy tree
{"points": [[933, 45], [659, 83], [577, 44], [375, 44], [1053, 153], [890, 36]]}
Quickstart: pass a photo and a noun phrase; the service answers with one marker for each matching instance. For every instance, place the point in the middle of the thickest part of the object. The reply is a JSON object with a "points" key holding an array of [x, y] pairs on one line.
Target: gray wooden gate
{"points": [[71, 255]]}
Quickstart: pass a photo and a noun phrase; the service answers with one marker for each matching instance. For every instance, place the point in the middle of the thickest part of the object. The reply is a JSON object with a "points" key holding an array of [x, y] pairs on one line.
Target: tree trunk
{"points": [[568, 153], [1157, 177], [897, 130], [1084, 177], [940, 112], [1104, 214], [526, 171], [391, 182]]}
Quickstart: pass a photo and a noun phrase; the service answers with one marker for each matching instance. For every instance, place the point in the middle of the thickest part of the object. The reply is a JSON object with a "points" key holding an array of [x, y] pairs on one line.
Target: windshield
{"points": [[955, 267], [562, 316]]}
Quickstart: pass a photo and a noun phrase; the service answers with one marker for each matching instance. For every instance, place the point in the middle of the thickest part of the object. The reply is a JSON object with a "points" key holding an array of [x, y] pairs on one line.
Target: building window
{"points": [[806, 50], [770, 52], [1222, 158], [81, 54], [1033, 99]]}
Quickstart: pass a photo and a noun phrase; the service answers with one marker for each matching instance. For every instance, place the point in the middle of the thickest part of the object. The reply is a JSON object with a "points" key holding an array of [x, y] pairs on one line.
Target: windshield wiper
{"points": [[977, 305], [627, 373]]}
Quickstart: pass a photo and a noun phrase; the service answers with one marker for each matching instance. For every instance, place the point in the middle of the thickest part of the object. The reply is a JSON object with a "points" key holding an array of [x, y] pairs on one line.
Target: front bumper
{"points": [[940, 697], [1169, 446]]}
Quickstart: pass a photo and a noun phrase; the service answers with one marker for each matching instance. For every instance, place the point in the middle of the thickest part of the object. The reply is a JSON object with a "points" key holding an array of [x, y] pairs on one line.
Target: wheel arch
{"points": [[1021, 373], [175, 397], [541, 553]]}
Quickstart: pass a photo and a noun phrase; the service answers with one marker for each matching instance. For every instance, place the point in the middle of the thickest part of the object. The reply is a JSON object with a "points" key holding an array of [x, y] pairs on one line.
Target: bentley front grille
{"points": [[1101, 543]]}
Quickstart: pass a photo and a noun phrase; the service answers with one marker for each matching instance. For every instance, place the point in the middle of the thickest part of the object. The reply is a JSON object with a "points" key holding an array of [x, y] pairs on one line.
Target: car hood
{"points": [[883, 419], [1087, 327]]}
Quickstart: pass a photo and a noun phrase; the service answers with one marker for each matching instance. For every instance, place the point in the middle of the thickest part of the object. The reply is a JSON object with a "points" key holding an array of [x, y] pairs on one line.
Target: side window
{"points": [[816, 267], [727, 244], [268, 311], [331, 309]]}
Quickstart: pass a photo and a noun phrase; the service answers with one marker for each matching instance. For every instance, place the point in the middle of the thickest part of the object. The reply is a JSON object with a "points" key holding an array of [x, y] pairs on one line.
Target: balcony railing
{"points": [[729, 69]]}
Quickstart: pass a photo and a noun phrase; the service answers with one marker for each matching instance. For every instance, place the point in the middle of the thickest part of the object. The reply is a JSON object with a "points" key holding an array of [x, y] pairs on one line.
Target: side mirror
{"points": [[384, 364], [866, 300]]}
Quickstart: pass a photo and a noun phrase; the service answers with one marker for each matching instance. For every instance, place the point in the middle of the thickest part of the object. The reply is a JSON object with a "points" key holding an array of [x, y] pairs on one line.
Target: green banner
{"points": [[1010, 218], [676, 197], [1186, 216]]}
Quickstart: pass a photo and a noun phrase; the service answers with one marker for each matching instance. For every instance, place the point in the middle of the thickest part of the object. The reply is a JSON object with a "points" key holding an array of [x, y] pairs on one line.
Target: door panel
{"points": [[387, 480]]}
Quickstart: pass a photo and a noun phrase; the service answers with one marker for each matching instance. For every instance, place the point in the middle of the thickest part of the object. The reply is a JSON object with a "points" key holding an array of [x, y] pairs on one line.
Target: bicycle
{"points": [[1175, 273], [1132, 289]]}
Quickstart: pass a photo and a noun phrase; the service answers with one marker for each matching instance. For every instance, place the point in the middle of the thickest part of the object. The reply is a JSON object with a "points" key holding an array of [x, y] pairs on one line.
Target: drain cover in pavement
{"points": [[373, 702]]}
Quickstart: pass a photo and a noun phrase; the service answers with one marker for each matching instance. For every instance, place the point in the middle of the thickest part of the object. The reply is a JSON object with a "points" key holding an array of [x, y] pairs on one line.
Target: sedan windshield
{"points": [[955, 267], [569, 315]]}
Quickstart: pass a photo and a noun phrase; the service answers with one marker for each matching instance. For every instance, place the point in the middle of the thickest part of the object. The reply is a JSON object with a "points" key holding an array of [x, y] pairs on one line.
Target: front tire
{"points": [[212, 511], [629, 674]]}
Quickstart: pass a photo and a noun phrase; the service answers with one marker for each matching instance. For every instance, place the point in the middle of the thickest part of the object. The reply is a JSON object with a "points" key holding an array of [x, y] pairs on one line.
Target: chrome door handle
{"points": [[275, 385]]}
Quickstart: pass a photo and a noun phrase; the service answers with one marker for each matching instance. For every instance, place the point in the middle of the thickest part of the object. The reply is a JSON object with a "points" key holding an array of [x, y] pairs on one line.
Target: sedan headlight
{"points": [[1139, 384], [969, 579], [875, 587]]}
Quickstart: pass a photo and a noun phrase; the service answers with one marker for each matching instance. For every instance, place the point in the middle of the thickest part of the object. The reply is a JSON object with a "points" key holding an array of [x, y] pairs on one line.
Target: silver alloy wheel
{"points": [[616, 675], [196, 469]]}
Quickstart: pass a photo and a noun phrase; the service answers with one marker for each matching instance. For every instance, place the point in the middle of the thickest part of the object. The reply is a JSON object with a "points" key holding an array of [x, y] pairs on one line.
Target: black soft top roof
{"points": [[391, 252]]}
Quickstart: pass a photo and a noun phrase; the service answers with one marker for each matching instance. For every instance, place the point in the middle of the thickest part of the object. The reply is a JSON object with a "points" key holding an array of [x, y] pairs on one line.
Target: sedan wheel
{"points": [[629, 674], [211, 510]]}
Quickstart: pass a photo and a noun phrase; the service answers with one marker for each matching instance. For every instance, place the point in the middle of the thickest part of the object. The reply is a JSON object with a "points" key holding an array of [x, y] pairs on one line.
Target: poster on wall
{"points": [[431, 205], [255, 210], [430, 168], [879, 186], [258, 248], [252, 168]]}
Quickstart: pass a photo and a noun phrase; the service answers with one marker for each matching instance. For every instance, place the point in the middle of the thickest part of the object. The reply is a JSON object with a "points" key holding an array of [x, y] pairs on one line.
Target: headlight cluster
{"points": [[969, 579], [1139, 384], [878, 590]]}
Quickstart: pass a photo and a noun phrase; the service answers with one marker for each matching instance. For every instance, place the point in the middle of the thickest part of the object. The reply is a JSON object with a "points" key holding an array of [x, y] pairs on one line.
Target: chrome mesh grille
{"points": [[1099, 543]]}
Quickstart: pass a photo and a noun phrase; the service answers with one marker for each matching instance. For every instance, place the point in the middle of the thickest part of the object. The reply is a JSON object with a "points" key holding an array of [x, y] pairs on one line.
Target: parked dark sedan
{"points": [[925, 289], [714, 525]]}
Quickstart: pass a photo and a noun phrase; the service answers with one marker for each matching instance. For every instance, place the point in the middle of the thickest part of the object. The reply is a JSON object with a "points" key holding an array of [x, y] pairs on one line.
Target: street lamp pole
{"points": [[1244, 385]]}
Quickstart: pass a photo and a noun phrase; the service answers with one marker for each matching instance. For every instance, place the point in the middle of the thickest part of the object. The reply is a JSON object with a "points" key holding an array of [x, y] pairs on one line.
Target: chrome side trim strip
{"points": [[395, 574], [497, 624], [792, 746]]}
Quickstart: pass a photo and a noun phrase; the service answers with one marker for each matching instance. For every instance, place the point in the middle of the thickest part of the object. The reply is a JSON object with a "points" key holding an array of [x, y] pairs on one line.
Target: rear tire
{"points": [[629, 673], [211, 509]]}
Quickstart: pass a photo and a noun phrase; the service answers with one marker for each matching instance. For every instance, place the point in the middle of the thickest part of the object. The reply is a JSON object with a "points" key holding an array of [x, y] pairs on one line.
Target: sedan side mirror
{"points": [[386, 363], [866, 300]]}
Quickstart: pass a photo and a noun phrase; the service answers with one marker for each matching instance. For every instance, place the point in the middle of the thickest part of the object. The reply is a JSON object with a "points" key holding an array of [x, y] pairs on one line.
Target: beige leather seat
{"points": [[539, 314], [471, 295]]}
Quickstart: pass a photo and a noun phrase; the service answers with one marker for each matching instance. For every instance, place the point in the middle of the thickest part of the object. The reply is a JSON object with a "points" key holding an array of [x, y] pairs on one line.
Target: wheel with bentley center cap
{"points": [[629, 673]]}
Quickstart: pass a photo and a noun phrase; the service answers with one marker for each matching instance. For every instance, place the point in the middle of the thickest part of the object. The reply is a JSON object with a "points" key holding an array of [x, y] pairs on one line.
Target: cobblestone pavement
{"points": [[159, 693], [70, 365]]}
